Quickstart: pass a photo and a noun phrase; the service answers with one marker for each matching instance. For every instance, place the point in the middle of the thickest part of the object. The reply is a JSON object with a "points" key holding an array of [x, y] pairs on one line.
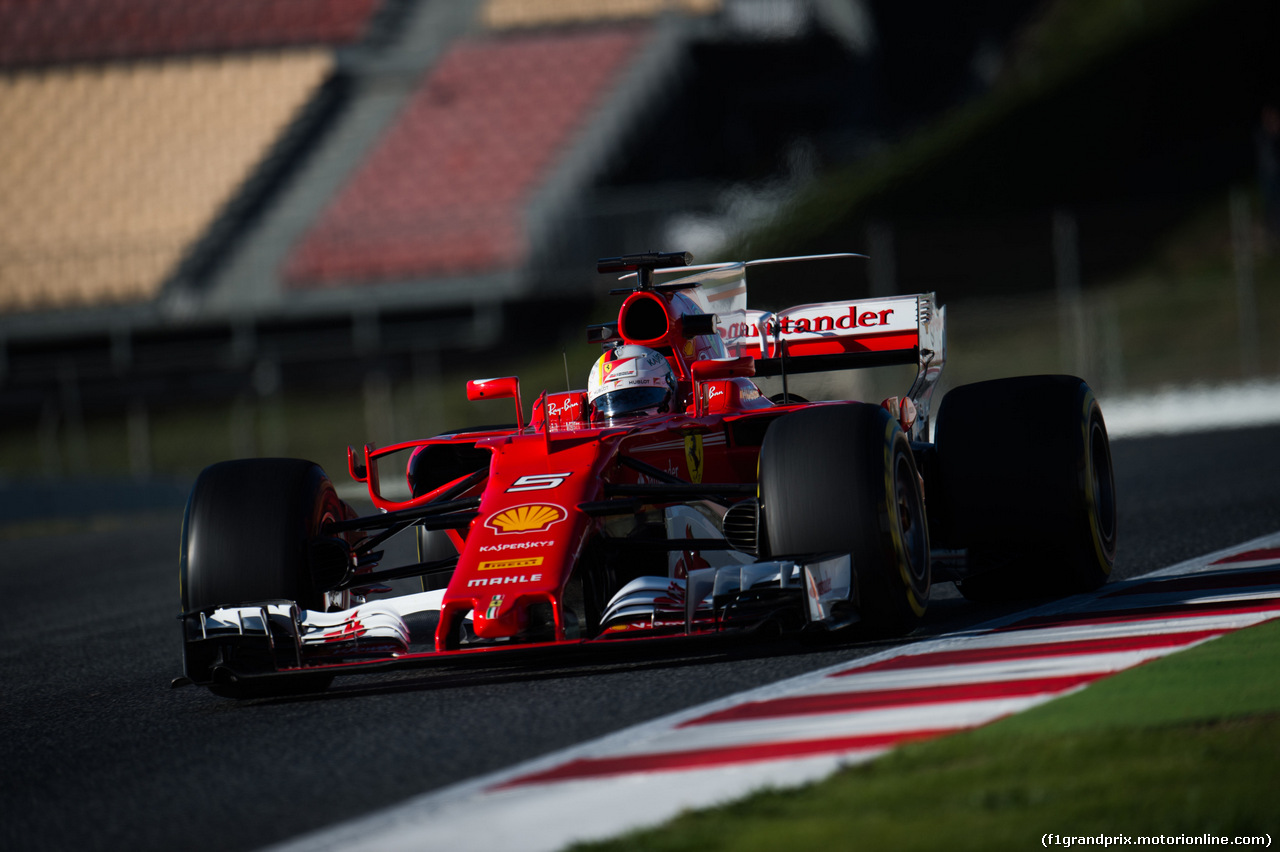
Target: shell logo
{"points": [[534, 517]]}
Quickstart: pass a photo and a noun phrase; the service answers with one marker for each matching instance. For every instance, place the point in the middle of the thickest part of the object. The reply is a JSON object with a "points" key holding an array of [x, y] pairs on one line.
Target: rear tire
{"points": [[1026, 486], [244, 540], [842, 479]]}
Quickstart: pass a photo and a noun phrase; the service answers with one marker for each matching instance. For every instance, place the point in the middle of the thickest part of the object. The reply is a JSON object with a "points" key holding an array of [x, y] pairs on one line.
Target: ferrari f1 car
{"points": [[671, 498]]}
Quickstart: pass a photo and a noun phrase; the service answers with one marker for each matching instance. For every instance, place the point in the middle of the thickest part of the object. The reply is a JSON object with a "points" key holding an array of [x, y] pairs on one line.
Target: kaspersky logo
{"points": [[530, 518]]}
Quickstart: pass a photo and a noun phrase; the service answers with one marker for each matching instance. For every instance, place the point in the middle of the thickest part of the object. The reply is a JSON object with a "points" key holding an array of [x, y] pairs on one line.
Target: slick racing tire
{"points": [[842, 478], [1026, 486], [245, 538]]}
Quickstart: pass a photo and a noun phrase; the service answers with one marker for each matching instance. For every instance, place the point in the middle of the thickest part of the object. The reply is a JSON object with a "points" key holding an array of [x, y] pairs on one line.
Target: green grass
{"points": [[1188, 744]]}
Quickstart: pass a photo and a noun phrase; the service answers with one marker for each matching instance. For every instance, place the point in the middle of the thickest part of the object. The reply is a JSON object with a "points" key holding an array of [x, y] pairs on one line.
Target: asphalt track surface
{"points": [[97, 752]]}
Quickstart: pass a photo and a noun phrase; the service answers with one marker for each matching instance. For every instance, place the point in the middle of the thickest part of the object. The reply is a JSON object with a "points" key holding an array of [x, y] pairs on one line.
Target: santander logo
{"points": [[799, 324], [831, 319]]}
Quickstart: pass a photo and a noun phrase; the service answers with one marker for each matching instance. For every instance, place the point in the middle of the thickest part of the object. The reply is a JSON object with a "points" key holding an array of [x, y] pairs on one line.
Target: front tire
{"points": [[244, 539], [842, 478]]}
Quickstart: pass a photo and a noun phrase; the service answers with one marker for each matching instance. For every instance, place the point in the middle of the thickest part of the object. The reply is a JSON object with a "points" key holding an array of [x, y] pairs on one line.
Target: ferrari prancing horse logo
{"points": [[693, 455]]}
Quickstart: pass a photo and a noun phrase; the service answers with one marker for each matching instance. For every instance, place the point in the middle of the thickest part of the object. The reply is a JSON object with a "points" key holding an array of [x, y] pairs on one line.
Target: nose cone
{"points": [[496, 616]]}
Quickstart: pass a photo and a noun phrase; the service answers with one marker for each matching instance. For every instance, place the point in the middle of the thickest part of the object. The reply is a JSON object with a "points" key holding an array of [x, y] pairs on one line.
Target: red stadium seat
{"points": [[445, 191]]}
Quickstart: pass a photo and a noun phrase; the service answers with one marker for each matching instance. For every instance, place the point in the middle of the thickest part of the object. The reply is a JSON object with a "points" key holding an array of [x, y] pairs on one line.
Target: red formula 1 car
{"points": [[671, 498]]}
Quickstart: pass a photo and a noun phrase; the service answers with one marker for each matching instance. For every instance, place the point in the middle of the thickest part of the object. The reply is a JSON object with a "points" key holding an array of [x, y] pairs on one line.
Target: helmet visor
{"points": [[629, 401]]}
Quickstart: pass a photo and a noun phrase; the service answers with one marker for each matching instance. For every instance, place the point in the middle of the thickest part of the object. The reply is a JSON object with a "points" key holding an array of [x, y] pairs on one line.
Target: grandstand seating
{"points": [[502, 14], [45, 32], [444, 192], [126, 125], [108, 173]]}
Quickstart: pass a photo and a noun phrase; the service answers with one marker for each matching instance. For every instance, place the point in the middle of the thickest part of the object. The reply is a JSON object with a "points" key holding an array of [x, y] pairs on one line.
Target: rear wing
{"points": [[834, 335], [824, 336]]}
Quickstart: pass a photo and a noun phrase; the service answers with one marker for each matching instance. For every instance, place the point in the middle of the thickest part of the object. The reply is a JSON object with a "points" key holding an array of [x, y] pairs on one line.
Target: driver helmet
{"points": [[630, 380]]}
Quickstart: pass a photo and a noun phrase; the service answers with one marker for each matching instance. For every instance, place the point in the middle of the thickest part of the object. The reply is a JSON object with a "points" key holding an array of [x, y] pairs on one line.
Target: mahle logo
{"points": [[534, 517]]}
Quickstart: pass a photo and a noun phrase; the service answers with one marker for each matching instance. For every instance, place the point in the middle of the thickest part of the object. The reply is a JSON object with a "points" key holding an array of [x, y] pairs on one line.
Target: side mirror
{"points": [[356, 464], [507, 387]]}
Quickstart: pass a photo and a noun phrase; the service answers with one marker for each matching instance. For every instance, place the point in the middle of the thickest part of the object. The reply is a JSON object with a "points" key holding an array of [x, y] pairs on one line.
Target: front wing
{"points": [[278, 638]]}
